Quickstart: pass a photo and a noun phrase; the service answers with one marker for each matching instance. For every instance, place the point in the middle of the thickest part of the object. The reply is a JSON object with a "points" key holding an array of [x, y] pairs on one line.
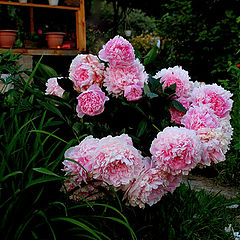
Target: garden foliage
{"points": [[40, 130]]}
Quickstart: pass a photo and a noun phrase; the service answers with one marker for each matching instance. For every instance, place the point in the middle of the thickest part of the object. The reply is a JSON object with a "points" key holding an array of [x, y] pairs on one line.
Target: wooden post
{"points": [[80, 27], [31, 21]]}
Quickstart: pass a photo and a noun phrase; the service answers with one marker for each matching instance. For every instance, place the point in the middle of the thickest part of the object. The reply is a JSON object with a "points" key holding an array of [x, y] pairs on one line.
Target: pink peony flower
{"points": [[117, 79], [132, 92], [198, 117], [116, 161], [227, 131], [216, 97], [82, 154], [176, 150], [215, 142], [176, 115], [147, 188], [86, 70], [215, 134], [53, 87], [91, 102], [212, 148], [118, 52], [178, 76], [174, 181]]}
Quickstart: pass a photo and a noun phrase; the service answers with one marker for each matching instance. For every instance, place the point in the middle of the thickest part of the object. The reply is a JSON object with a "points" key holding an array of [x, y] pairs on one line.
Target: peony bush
{"points": [[198, 132]]}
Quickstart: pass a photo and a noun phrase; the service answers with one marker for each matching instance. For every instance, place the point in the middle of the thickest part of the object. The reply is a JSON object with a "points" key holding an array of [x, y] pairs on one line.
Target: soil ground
{"points": [[209, 184]]}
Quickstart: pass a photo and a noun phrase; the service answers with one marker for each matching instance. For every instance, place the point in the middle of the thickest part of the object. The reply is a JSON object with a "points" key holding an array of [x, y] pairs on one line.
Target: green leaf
{"points": [[152, 95], [48, 133], [146, 88], [46, 171], [121, 222], [179, 106], [41, 213], [77, 127], [141, 128], [79, 224], [151, 56], [42, 180], [51, 108], [156, 86], [47, 71], [170, 90], [10, 175]]}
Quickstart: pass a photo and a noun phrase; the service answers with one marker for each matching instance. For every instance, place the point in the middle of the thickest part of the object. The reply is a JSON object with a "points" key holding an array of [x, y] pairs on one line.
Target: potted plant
{"points": [[10, 23], [54, 39], [69, 41], [33, 40], [54, 34], [7, 37]]}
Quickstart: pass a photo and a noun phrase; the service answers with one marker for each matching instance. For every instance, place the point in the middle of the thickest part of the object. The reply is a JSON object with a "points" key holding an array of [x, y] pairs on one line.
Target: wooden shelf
{"points": [[41, 51], [39, 5], [80, 28]]}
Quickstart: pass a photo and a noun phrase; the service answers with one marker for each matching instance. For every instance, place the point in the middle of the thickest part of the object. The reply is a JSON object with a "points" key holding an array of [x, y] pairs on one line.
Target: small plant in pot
{"points": [[69, 41], [54, 35], [54, 39], [33, 40], [7, 38], [8, 34], [10, 24]]}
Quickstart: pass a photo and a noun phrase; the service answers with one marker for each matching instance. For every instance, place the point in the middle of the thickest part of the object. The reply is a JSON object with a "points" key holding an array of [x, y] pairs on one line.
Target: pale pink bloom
{"points": [[212, 151], [178, 76], [198, 117], [147, 188], [176, 150], [176, 115], [174, 181], [117, 79], [215, 142], [132, 92], [83, 155], [118, 52], [86, 70], [227, 130], [91, 102], [216, 97], [53, 87], [116, 161]]}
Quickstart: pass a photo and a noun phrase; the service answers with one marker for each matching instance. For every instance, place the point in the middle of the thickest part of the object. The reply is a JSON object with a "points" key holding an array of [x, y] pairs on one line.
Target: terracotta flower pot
{"points": [[7, 38], [54, 39]]}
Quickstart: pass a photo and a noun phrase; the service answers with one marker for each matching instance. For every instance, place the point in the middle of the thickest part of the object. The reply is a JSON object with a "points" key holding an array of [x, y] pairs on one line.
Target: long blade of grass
{"points": [[31, 76], [46, 171], [134, 237], [43, 180], [48, 133], [61, 204], [22, 227], [10, 175], [79, 224], [13, 141], [41, 213]]}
